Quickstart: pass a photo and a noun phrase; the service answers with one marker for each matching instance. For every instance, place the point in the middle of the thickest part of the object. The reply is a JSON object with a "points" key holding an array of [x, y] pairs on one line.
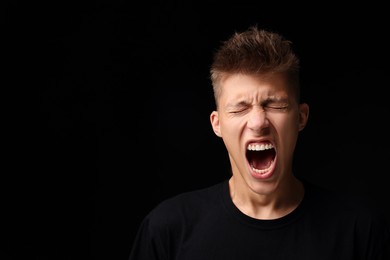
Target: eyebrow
{"points": [[235, 105], [276, 99], [270, 99]]}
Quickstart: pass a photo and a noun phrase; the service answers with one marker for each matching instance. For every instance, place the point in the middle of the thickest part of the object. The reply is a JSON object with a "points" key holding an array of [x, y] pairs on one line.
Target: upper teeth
{"points": [[259, 147]]}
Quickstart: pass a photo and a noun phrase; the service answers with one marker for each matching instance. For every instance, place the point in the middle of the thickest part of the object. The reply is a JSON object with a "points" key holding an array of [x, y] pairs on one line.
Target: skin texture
{"points": [[260, 109]]}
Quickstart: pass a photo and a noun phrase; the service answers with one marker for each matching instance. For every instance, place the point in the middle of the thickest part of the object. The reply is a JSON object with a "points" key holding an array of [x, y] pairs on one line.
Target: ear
{"points": [[303, 115], [214, 118]]}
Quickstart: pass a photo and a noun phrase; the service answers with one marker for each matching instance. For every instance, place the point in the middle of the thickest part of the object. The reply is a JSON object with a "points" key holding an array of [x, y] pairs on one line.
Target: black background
{"points": [[108, 103]]}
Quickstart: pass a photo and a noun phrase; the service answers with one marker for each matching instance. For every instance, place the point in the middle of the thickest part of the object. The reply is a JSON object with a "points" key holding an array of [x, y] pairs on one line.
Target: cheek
{"points": [[289, 126], [287, 131], [230, 127], [231, 130]]}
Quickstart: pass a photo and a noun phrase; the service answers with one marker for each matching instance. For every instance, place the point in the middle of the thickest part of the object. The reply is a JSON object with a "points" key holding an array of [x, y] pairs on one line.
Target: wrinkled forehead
{"points": [[244, 86]]}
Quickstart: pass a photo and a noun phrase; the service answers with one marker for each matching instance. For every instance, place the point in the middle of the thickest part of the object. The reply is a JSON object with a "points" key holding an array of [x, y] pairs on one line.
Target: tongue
{"points": [[261, 165], [261, 160]]}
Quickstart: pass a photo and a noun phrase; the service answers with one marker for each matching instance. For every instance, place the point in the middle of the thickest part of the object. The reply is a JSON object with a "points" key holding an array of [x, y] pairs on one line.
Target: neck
{"points": [[285, 198]]}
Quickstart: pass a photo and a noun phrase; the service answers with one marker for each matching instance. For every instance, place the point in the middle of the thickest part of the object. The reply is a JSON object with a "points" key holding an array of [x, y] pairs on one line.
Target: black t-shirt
{"points": [[205, 224]]}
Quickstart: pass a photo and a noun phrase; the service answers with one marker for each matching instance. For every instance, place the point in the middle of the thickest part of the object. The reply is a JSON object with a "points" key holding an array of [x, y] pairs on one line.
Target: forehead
{"points": [[242, 86]]}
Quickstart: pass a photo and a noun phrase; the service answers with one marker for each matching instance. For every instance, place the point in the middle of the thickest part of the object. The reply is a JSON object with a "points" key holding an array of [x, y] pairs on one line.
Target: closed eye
{"points": [[276, 107], [238, 111], [239, 108]]}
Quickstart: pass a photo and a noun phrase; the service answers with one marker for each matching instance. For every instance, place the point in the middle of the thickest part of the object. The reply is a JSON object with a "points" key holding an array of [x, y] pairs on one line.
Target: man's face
{"points": [[259, 120]]}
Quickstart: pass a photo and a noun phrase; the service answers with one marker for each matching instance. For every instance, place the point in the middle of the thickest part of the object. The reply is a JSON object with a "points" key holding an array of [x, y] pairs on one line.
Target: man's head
{"points": [[255, 52], [255, 76]]}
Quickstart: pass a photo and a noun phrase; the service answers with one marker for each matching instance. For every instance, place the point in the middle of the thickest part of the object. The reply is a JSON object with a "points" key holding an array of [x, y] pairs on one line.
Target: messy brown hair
{"points": [[255, 52]]}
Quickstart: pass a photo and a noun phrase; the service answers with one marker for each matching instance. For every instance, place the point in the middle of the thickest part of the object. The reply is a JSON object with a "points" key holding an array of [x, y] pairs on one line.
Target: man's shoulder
{"points": [[205, 194], [188, 204]]}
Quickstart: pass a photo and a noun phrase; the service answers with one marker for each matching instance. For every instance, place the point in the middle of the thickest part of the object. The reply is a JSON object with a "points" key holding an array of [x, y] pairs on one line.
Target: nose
{"points": [[257, 119]]}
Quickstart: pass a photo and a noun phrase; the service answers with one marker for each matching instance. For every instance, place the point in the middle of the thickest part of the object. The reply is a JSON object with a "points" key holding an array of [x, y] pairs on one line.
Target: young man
{"points": [[263, 211]]}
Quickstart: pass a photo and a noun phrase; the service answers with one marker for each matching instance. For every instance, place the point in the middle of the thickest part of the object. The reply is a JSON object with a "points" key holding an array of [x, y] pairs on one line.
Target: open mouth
{"points": [[260, 157]]}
